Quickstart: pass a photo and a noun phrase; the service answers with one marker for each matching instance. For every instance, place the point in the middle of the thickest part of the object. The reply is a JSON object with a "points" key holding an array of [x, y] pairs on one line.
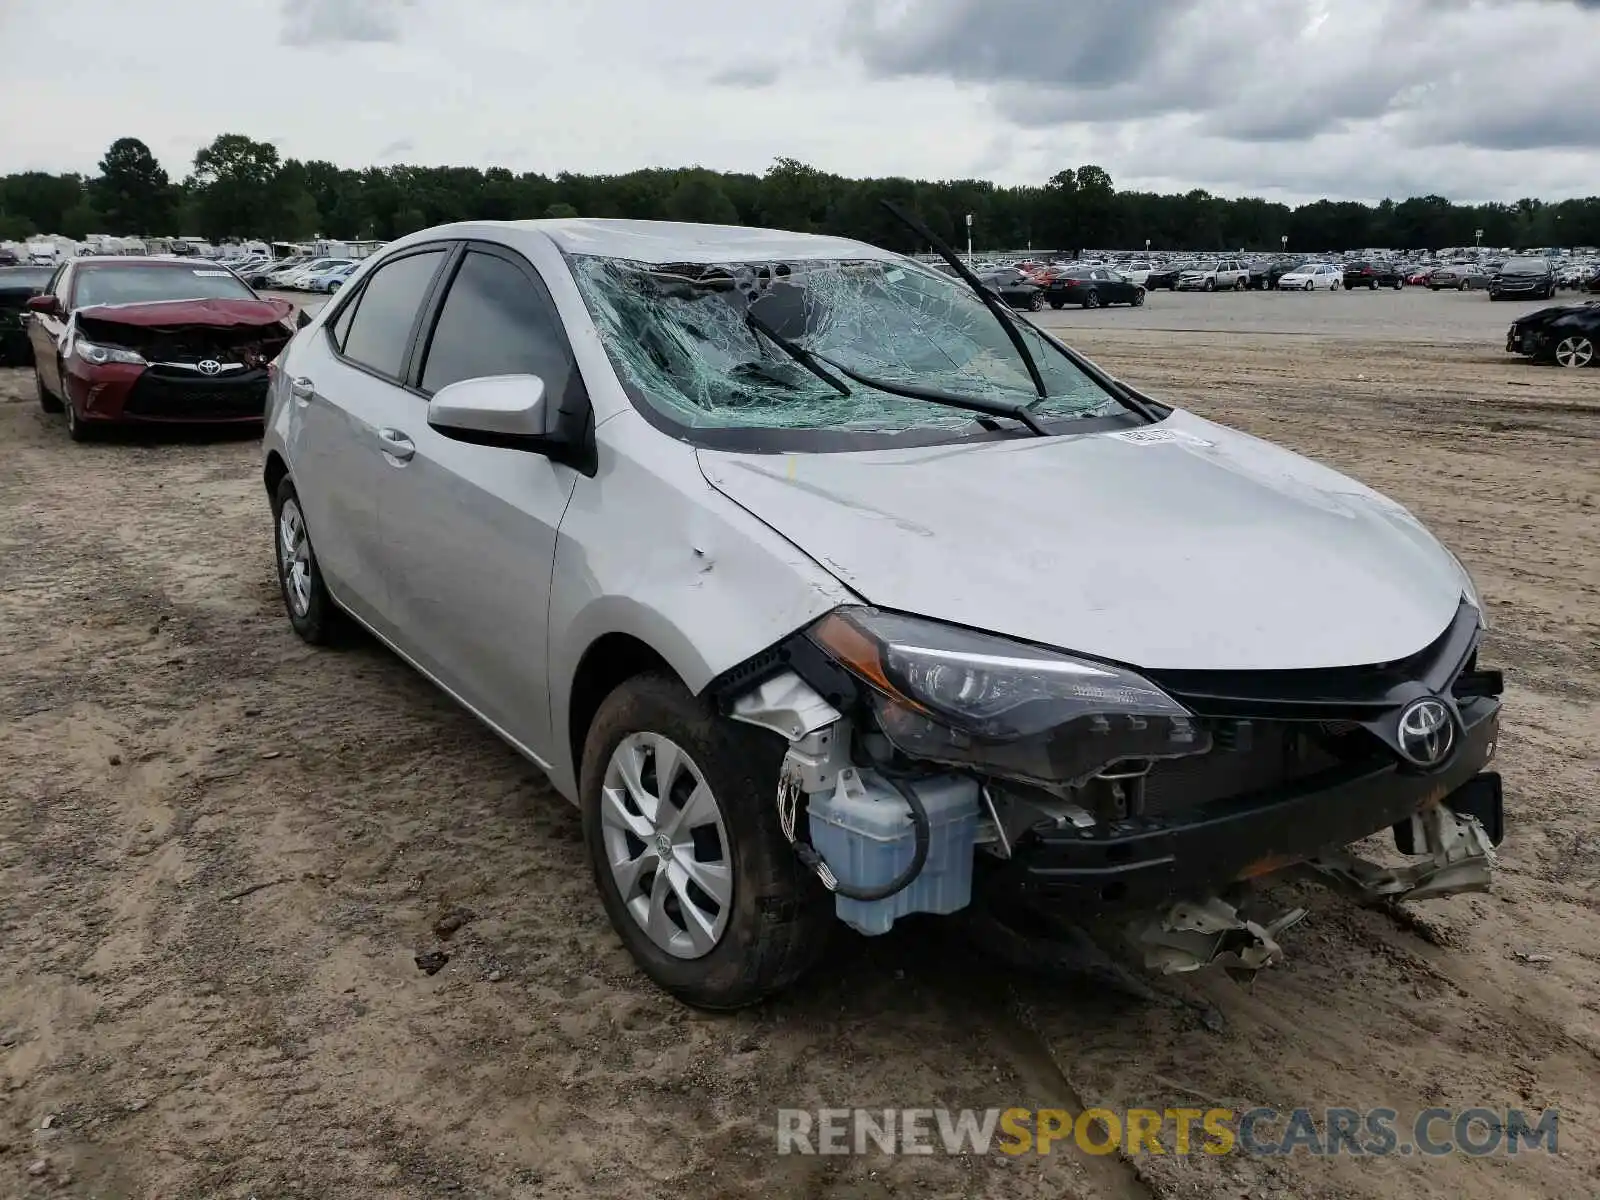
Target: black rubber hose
{"points": [[919, 854]]}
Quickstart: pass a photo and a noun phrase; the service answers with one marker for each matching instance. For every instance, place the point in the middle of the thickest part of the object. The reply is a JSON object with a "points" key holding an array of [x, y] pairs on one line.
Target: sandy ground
{"points": [[220, 850]]}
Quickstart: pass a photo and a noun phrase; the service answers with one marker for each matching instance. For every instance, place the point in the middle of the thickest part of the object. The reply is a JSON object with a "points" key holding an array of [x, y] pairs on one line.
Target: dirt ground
{"points": [[220, 850]]}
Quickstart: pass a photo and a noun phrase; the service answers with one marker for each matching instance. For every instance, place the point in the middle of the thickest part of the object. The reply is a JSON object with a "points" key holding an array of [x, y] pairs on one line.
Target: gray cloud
{"points": [[329, 22], [398, 146], [1492, 74], [746, 75]]}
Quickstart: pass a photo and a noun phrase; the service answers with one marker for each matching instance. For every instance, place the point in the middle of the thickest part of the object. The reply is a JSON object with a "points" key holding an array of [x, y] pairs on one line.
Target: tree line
{"points": [[240, 188]]}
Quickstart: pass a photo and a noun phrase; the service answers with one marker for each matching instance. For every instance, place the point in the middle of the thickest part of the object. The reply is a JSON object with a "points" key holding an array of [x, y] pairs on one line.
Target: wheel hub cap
{"points": [[294, 558], [666, 845]]}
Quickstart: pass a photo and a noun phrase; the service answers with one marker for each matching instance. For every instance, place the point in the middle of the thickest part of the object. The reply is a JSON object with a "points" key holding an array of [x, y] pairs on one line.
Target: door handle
{"points": [[302, 388], [396, 445]]}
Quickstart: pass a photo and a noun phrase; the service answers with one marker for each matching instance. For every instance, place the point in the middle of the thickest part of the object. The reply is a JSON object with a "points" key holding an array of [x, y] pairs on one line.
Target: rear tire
{"points": [[1092, 300], [777, 916], [1138, 298], [1036, 302], [1310, 285], [47, 401], [1057, 303], [312, 611]]}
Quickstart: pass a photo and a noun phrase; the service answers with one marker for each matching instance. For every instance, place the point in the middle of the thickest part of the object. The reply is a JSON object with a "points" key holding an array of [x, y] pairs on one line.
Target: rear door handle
{"points": [[396, 445], [302, 387]]}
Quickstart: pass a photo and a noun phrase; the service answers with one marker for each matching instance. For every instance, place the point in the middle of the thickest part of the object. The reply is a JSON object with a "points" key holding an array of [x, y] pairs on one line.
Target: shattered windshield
{"points": [[799, 345]]}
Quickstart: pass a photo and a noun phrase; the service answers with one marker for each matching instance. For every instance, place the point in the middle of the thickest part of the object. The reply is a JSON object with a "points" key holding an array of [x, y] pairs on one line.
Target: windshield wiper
{"points": [[1003, 315], [799, 353], [813, 363], [990, 301], [977, 404]]}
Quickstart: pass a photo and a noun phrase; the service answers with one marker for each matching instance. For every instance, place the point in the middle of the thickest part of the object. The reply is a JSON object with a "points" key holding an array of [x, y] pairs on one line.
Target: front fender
{"points": [[649, 549]]}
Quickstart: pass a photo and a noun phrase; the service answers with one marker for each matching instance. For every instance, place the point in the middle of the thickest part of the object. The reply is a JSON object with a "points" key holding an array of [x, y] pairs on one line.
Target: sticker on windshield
{"points": [[894, 275], [213, 274], [1149, 437]]}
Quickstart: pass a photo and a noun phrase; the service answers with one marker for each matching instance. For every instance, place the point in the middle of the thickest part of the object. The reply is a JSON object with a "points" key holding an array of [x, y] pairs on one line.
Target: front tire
{"points": [[1211, 285], [1036, 302], [1310, 285], [1092, 300], [680, 819], [78, 429], [1057, 303], [312, 611], [1138, 298]]}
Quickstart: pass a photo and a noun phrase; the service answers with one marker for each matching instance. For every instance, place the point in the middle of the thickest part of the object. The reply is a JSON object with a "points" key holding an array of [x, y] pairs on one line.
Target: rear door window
{"points": [[379, 334]]}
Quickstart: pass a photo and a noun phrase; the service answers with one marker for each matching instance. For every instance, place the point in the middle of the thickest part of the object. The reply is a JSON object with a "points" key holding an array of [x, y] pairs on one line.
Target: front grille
{"points": [[1278, 753], [165, 397]]}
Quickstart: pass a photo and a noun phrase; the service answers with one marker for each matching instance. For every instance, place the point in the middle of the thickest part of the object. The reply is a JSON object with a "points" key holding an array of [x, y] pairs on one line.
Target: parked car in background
{"points": [[259, 276], [1523, 278], [1461, 276], [1566, 334], [1311, 277], [332, 281], [1135, 272], [153, 340], [1166, 276], [1594, 281], [1372, 274], [1015, 287], [1264, 275], [838, 596], [18, 285], [1419, 276], [308, 279], [1092, 287], [1214, 275]]}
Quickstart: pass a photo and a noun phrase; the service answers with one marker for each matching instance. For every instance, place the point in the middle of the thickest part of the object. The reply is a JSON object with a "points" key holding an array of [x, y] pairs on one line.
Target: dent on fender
{"points": [[679, 577]]}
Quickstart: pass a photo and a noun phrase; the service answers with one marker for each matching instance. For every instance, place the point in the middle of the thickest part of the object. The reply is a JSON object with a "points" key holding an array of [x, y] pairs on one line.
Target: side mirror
{"points": [[495, 410], [302, 320], [45, 304]]}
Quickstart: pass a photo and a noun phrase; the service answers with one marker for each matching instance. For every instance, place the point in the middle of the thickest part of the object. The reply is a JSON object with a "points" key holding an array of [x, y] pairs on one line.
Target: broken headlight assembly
{"points": [[948, 695]]}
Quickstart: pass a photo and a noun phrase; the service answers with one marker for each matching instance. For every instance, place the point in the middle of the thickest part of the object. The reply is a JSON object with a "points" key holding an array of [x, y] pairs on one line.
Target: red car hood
{"points": [[191, 312]]}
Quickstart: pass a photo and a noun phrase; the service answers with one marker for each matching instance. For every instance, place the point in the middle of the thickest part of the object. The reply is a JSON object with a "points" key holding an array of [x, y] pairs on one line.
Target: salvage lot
{"points": [[220, 850]]}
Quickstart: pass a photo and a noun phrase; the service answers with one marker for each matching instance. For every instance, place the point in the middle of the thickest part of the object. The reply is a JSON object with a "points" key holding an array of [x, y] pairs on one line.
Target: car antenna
{"points": [[916, 225]]}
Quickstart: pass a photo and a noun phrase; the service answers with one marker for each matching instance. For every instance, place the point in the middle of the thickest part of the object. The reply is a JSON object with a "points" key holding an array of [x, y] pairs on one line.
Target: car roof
{"points": [[662, 241]]}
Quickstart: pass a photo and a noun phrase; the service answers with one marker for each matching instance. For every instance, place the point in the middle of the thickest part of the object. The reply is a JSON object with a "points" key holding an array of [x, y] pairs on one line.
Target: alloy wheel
{"points": [[1575, 352], [294, 557], [666, 845]]}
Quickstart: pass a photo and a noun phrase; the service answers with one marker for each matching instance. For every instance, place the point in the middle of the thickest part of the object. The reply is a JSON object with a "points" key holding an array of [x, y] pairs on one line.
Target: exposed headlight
{"points": [[99, 355], [949, 695]]}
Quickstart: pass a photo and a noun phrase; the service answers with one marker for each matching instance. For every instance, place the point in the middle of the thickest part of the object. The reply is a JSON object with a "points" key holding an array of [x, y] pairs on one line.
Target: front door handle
{"points": [[302, 388], [396, 445]]}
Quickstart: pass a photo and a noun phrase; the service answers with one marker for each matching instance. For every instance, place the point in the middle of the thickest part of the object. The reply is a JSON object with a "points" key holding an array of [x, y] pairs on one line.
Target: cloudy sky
{"points": [[1291, 99]]}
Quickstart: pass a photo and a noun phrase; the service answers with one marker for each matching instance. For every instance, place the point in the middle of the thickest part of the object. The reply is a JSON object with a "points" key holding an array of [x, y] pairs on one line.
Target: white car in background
{"points": [[1136, 272], [1311, 277]]}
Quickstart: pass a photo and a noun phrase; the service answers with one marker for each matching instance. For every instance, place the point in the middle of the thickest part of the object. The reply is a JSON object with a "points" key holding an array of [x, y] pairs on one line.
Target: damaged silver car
{"points": [[831, 591]]}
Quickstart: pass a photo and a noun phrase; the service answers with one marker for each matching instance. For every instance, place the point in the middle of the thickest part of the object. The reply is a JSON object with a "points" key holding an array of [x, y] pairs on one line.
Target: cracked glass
{"points": [[703, 343]]}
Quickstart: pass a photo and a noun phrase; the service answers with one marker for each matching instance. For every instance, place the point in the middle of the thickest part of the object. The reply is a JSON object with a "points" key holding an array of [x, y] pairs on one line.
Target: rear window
{"points": [[148, 284]]}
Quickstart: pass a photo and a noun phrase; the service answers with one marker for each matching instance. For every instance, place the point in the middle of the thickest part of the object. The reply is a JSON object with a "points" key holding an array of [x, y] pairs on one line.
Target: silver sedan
{"points": [[832, 591]]}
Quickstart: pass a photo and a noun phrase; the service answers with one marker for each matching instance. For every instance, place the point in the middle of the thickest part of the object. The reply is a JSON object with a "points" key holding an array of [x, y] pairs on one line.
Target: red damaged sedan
{"points": [[153, 340]]}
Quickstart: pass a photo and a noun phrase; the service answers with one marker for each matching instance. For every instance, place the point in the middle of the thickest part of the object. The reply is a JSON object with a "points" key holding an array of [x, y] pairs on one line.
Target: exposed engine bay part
{"points": [[1198, 933], [884, 843], [1460, 859]]}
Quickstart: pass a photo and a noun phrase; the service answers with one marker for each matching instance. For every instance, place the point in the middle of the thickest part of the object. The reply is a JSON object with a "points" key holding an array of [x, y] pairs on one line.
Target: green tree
{"points": [[235, 177], [133, 193], [560, 212], [82, 219], [41, 199], [699, 197]]}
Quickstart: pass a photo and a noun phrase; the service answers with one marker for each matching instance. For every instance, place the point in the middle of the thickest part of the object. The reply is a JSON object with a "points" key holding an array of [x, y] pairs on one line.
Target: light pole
{"points": [[1477, 239], [969, 239], [1147, 247], [1284, 241]]}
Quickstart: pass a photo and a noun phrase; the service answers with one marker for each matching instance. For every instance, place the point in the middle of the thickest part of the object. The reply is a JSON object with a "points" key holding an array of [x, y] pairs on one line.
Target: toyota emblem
{"points": [[1427, 733], [210, 366]]}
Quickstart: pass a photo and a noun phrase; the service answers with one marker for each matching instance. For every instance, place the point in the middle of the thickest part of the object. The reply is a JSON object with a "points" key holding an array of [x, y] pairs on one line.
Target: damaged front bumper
{"points": [[1143, 861]]}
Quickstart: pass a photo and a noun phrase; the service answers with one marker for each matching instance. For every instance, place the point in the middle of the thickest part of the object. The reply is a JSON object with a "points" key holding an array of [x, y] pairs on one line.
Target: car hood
{"points": [[1541, 315], [191, 312], [1182, 546]]}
